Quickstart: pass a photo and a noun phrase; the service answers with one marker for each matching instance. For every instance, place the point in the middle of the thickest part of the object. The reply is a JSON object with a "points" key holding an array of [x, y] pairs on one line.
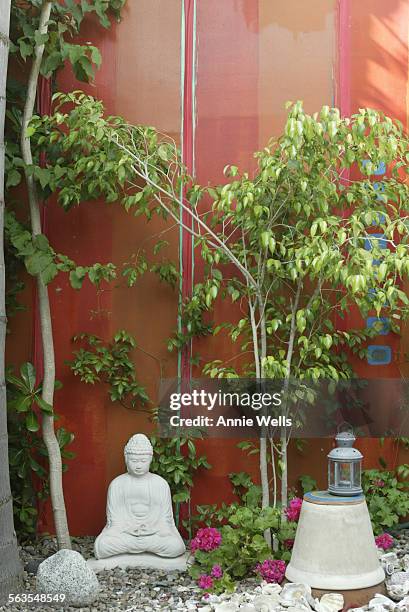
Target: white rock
{"points": [[294, 592], [226, 606], [331, 602], [270, 588], [397, 591], [405, 563], [67, 572], [390, 562], [399, 578], [403, 606], [380, 603], [266, 603]]}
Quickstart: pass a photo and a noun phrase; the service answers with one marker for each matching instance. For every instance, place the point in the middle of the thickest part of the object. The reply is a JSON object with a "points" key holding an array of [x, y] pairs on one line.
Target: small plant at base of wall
{"points": [[27, 451], [387, 496]]}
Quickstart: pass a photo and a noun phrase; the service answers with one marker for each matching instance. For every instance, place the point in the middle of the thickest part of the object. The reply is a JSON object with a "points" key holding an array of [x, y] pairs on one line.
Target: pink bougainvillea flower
{"points": [[294, 509], [207, 539], [217, 571], [384, 541], [378, 482], [205, 581], [288, 544], [271, 570]]}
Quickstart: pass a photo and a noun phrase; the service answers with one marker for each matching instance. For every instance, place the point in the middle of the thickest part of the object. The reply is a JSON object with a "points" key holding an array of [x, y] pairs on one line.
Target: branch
{"points": [[141, 170]]}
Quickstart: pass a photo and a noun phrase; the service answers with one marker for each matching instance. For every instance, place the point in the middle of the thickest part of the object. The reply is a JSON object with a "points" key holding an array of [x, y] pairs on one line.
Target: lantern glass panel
{"points": [[331, 473], [344, 475], [357, 474]]}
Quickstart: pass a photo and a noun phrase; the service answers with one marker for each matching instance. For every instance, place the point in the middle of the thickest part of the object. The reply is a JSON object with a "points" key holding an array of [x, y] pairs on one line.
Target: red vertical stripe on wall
{"points": [[188, 155], [343, 100]]}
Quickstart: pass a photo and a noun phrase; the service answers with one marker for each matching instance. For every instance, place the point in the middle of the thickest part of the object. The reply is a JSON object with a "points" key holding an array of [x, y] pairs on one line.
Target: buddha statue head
{"points": [[138, 455]]}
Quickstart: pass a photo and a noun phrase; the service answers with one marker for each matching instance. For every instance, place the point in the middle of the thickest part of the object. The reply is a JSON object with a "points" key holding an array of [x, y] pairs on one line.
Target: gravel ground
{"points": [[134, 590]]}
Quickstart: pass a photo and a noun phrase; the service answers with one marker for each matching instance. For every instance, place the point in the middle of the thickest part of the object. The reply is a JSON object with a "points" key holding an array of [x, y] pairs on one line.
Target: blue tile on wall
{"points": [[384, 330], [379, 354], [382, 242], [381, 219], [379, 169]]}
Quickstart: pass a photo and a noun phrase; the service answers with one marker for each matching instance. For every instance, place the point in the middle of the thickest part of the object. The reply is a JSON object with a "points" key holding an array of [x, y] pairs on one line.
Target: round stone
{"points": [[67, 573]]}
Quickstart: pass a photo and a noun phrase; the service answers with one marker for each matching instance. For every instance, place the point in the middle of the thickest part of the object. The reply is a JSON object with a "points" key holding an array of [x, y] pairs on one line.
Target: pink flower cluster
{"points": [[217, 571], [271, 570], [206, 582], [378, 482], [289, 543], [207, 539], [294, 509], [384, 541]]}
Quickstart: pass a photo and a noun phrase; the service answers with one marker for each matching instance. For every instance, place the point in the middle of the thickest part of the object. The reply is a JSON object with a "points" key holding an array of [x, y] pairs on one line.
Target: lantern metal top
{"points": [[344, 451], [345, 438], [345, 454]]}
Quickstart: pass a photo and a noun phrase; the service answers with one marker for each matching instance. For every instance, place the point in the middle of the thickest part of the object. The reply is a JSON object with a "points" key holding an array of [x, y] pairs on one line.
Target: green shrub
{"points": [[387, 497]]}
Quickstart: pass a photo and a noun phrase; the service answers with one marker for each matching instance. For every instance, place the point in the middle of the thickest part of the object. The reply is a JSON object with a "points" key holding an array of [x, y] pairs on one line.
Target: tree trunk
{"points": [[10, 566], [49, 437], [284, 440], [258, 361]]}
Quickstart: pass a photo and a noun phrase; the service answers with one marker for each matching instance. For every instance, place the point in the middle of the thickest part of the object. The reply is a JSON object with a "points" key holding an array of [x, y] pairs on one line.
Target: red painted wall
{"points": [[252, 56]]}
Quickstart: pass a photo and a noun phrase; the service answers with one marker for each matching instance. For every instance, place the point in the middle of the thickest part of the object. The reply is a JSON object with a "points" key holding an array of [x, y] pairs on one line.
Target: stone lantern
{"points": [[334, 547], [344, 467]]}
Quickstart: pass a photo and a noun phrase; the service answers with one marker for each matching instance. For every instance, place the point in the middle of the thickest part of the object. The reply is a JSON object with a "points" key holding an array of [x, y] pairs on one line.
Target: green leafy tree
{"points": [[302, 226], [41, 34], [297, 234]]}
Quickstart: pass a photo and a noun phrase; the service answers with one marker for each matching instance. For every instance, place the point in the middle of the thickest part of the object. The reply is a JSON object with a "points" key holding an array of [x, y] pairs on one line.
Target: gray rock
{"points": [[32, 565], [67, 572]]}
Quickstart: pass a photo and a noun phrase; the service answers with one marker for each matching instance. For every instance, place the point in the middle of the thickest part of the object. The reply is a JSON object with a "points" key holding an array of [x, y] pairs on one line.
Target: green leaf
{"points": [[41, 242], [28, 374], [26, 49], [43, 175], [21, 403], [32, 422], [13, 178], [51, 63], [43, 405], [163, 152], [77, 277]]}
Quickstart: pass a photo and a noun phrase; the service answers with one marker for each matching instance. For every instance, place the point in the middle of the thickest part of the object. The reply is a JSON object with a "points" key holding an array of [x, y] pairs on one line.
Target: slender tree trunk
{"points": [[10, 566], [49, 437], [258, 361], [284, 440]]}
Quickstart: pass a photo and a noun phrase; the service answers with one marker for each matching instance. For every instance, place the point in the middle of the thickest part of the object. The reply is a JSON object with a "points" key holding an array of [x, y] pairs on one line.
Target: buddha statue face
{"points": [[138, 464]]}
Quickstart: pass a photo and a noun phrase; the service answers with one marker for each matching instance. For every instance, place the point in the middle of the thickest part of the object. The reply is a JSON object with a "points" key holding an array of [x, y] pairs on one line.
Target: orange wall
{"points": [[252, 56]]}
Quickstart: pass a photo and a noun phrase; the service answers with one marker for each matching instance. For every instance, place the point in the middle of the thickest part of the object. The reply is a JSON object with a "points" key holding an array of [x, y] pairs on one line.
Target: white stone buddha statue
{"points": [[139, 509]]}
